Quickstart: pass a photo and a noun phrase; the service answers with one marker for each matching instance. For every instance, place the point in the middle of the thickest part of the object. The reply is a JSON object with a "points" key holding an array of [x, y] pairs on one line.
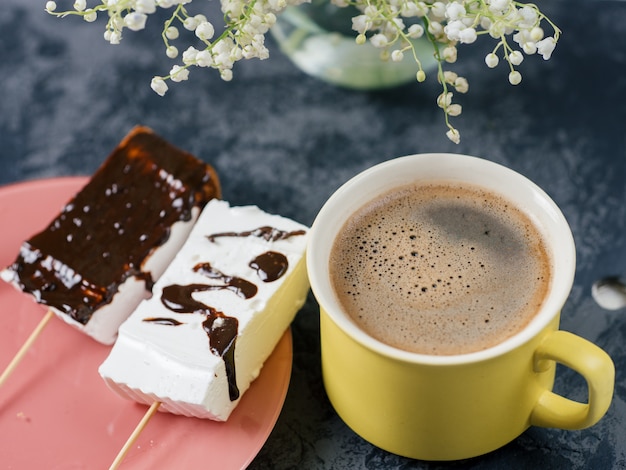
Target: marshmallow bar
{"points": [[216, 314], [99, 257]]}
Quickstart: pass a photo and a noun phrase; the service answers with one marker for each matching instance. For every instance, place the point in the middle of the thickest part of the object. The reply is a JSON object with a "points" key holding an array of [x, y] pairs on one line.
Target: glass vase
{"points": [[318, 38]]}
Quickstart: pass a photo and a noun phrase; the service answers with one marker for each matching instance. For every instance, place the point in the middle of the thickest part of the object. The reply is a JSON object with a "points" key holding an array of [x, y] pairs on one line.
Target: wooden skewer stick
{"points": [[27, 344], [133, 437]]}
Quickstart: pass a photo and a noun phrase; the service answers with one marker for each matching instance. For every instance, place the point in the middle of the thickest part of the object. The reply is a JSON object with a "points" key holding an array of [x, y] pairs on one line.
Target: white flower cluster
{"points": [[390, 25], [246, 23]]}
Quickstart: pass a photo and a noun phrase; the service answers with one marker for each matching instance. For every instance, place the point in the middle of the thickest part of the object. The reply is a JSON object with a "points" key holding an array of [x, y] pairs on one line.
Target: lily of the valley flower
{"points": [[389, 25]]}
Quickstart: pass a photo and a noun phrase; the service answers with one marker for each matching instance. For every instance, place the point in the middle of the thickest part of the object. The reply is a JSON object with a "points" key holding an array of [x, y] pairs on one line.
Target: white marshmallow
{"points": [[97, 259], [175, 364], [105, 321]]}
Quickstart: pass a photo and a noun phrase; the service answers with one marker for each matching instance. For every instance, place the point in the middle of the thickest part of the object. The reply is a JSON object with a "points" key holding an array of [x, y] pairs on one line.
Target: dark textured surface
{"points": [[284, 141]]}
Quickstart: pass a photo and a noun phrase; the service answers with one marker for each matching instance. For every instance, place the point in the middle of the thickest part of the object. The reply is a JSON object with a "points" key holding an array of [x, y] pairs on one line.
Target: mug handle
{"points": [[588, 360]]}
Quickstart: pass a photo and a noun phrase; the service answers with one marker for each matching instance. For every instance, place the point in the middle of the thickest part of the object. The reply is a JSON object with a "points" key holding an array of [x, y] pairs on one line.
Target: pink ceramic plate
{"points": [[57, 413]]}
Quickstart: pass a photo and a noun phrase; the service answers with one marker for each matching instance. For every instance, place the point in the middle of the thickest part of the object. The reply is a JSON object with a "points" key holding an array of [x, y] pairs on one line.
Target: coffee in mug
{"points": [[487, 353], [440, 268]]}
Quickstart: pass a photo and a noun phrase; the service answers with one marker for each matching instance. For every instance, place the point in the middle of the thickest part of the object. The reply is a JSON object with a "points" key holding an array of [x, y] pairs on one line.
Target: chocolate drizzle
{"points": [[269, 234], [222, 332], [106, 232], [221, 329], [163, 321], [270, 265], [178, 298], [239, 286]]}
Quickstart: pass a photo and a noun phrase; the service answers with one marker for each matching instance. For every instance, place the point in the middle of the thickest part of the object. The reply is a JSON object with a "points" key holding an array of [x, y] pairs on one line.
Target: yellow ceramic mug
{"points": [[460, 406]]}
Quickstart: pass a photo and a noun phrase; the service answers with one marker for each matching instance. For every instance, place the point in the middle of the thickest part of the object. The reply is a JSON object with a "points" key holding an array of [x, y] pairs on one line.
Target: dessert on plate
{"points": [[100, 256], [216, 314]]}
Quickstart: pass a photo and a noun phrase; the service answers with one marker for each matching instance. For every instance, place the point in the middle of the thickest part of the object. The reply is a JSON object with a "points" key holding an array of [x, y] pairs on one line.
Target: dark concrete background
{"points": [[285, 142]]}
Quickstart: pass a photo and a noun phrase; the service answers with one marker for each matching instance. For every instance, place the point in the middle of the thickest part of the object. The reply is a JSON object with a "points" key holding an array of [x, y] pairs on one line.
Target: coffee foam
{"points": [[440, 269]]}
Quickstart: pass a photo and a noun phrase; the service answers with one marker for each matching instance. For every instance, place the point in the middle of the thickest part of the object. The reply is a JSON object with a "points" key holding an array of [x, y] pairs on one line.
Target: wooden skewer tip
{"points": [[25, 347], [133, 437]]}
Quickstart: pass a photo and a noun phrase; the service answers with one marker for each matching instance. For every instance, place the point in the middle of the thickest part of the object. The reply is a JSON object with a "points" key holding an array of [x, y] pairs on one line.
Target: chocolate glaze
{"points": [[221, 329], [178, 298], [266, 233], [163, 321], [222, 333], [106, 232], [270, 265], [239, 286]]}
